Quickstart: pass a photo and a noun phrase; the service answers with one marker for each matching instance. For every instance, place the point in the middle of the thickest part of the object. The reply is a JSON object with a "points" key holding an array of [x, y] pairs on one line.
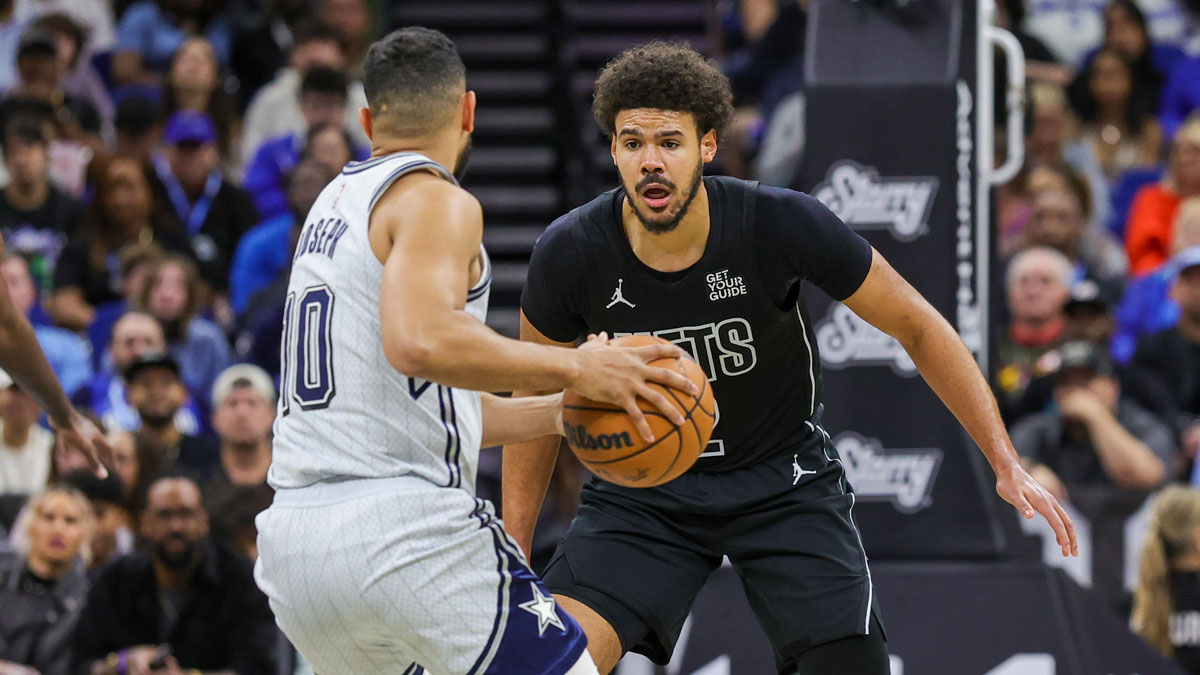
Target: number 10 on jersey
{"points": [[306, 354]]}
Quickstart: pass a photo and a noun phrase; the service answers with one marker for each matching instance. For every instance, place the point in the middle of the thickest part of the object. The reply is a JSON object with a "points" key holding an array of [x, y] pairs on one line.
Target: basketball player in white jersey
{"points": [[376, 555]]}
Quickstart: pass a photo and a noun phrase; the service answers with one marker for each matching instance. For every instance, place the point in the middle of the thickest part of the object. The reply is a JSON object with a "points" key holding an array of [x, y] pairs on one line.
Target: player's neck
{"points": [[672, 251], [442, 148]]}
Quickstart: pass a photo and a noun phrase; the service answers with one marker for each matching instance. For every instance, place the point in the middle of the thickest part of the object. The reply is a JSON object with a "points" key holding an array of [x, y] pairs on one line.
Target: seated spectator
{"points": [[36, 218], [139, 128], [42, 592], [69, 354], [243, 411], [80, 78], [95, 15], [1116, 128], [1173, 354], [135, 261], [322, 102], [1059, 221], [172, 295], [195, 83], [188, 593], [1095, 435], [25, 447], [133, 335], [212, 211], [350, 20], [112, 536], [121, 213], [1089, 317], [262, 35], [1127, 33], [275, 109], [1037, 284], [266, 250], [1168, 582], [40, 77], [155, 388], [151, 31], [1148, 233]]}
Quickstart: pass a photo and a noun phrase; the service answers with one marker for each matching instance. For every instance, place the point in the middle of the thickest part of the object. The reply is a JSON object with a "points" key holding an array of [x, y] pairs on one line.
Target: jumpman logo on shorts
{"points": [[618, 297], [797, 472]]}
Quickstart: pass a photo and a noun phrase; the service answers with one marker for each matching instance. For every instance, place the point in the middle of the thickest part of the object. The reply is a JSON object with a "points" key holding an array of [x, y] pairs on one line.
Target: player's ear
{"points": [[612, 147], [708, 145], [364, 119], [468, 112]]}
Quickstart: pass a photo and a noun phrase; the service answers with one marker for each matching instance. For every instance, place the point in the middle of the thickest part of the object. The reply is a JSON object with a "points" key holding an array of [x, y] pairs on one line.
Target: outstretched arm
{"points": [[889, 303], [22, 357]]}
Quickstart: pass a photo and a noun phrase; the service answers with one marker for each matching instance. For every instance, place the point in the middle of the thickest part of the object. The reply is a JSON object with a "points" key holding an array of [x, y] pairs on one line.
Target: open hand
{"points": [[1018, 488]]}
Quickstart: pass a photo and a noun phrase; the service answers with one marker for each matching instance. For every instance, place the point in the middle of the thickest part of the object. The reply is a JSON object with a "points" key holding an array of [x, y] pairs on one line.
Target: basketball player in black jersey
{"points": [[715, 265]]}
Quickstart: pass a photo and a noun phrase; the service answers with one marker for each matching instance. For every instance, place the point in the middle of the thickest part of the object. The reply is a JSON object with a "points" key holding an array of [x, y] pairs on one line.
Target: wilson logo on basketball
{"points": [[578, 437]]}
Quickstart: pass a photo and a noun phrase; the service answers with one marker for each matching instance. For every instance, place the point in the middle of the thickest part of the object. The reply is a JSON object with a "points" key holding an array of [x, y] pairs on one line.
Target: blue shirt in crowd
{"points": [[273, 161], [1181, 95], [146, 29], [261, 255]]}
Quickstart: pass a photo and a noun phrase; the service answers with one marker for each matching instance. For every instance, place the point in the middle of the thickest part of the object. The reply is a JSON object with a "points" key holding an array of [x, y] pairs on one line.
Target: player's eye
{"points": [[631, 145], [670, 145]]}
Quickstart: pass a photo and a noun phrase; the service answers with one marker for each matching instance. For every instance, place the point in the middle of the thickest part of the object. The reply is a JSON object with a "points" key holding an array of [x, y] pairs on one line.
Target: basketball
{"points": [[604, 438]]}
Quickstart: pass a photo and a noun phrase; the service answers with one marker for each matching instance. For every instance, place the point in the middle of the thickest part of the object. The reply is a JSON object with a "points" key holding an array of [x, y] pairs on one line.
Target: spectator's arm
{"points": [[69, 310], [1126, 460]]}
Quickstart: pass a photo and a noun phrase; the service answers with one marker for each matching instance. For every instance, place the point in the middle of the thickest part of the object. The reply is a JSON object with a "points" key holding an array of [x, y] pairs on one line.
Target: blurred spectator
{"points": [[1148, 233], [351, 22], [25, 447], [172, 295], [134, 335], [126, 464], [195, 83], [266, 250], [1037, 283], [276, 111], [233, 512], [243, 401], [1094, 435], [112, 536], [1126, 31], [1173, 355], [1089, 317], [121, 213], [213, 211], [1181, 95], [1072, 27], [1147, 306], [94, 15], [42, 592], [1040, 63], [80, 78], [1068, 168], [10, 35], [1168, 585], [188, 593], [323, 102], [69, 354], [136, 261], [155, 388], [262, 34], [139, 127], [41, 75], [1059, 221], [36, 218], [1117, 128], [151, 31]]}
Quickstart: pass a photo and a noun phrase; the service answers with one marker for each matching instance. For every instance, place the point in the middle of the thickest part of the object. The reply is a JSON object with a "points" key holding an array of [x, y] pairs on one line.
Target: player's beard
{"points": [[460, 164], [663, 226]]}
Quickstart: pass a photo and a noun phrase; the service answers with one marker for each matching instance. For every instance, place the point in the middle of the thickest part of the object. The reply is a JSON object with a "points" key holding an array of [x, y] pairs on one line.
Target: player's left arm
{"points": [[516, 420], [891, 304]]}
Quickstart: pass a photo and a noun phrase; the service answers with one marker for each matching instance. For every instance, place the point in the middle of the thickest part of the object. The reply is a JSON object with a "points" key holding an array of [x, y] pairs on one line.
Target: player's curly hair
{"points": [[666, 76]]}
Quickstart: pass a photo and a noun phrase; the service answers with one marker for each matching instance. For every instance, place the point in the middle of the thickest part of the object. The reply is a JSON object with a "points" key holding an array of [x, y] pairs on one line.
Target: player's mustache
{"points": [[655, 179]]}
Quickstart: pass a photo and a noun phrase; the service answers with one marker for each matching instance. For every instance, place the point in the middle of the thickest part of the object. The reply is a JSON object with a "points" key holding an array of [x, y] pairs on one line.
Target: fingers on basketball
{"points": [[606, 441]]}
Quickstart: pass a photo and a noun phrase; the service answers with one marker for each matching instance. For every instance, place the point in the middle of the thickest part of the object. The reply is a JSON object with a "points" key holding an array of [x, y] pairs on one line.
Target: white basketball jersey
{"points": [[344, 411]]}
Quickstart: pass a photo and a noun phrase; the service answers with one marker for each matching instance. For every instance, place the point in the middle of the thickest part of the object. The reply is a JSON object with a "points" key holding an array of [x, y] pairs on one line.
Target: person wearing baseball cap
{"points": [[1092, 435], [154, 386], [212, 211], [243, 402]]}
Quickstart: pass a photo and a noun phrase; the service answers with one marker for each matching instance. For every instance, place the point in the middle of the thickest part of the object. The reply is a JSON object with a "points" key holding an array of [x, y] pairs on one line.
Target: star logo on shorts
{"points": [[542, 607]]}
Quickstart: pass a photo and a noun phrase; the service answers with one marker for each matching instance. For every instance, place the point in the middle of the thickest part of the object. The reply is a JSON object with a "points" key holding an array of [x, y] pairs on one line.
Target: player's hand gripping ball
{"points": [[604, 438]]}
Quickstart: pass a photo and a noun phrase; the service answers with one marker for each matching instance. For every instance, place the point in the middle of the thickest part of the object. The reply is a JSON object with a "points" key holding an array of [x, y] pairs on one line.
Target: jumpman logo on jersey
{"points": [[618, 297], [797, 472], [542, 607]]}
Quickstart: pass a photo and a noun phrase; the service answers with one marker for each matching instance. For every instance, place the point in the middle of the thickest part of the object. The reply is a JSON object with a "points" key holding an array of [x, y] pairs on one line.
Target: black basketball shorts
{"points": [[639, 556]]}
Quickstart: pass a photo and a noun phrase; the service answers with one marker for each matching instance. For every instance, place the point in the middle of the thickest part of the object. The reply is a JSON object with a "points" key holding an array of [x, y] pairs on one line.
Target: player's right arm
{"points": [[527, 467], [433, 231], [23, 359]]}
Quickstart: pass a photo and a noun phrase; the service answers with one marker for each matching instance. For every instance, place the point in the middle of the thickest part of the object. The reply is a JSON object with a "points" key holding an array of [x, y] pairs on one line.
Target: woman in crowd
{"points": [[1166, 602], [1148, 233], [1127, 32], [195, 83], [173, 296], [1117, 127], [121, 213], [43, 591]]}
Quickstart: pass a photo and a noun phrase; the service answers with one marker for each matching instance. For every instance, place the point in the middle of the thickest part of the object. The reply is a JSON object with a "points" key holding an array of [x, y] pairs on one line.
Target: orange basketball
{"points": [[604, 438]]}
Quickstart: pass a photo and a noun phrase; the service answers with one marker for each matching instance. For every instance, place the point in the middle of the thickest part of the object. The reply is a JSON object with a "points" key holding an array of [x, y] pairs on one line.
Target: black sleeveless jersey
{"points": [[737, 311], [1185, 620]]}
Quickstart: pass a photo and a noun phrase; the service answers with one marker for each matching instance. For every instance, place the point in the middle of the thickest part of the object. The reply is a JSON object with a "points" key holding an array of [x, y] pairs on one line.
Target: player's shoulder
{"points": [[774, 200], [420, 191], [574, 230]]}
